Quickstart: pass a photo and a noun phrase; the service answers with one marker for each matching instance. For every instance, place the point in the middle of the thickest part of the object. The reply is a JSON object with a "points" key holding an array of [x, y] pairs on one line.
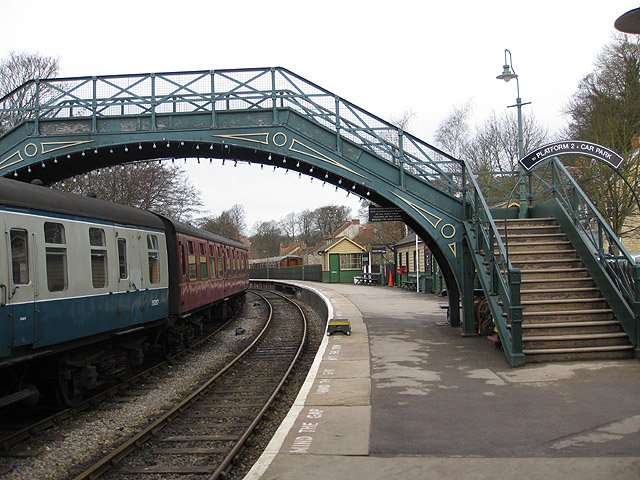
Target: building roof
{"points": [[338, 241], [409, 239], [293, 247], [342, 228]]}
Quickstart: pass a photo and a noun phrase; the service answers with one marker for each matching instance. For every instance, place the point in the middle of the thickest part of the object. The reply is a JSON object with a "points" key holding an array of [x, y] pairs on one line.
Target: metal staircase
{"points": [[564, 315], [559, 284]]}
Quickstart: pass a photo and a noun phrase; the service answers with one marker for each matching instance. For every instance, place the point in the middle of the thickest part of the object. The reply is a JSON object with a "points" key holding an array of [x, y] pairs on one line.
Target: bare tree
{"points": [[290, 225], [494, 146], [238, 217], [17, 68], [15, 71], [150, 186], [266, 239], [306, 229], [403, 121], [230, 223], [453, 133], [330, 217], [606, 110]]}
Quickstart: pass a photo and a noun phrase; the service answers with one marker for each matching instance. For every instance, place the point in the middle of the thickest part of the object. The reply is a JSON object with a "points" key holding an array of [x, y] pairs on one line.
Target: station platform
{"points": [[405, 396]]}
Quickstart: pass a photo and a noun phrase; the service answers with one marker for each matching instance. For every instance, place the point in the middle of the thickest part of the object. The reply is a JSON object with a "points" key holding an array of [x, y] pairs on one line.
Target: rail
{"points": [[151, 430], [215, 91]]}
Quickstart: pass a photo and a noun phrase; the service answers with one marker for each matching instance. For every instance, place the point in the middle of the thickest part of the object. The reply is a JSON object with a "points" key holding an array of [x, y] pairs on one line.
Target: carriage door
{"points": [[4, 289], [18, 297], [124, 283]]}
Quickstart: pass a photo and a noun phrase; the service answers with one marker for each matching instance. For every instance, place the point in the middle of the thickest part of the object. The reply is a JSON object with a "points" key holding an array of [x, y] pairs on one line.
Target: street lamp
{"points": [[507, 74]]}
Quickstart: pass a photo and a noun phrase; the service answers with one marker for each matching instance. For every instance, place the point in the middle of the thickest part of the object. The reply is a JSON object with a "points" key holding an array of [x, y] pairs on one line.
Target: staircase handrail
{"points": [[605, 247], [504, 278]]}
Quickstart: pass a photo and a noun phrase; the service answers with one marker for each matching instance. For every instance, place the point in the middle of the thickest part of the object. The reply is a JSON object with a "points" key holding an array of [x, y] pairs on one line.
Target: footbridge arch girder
{"points": [[378, 162]]}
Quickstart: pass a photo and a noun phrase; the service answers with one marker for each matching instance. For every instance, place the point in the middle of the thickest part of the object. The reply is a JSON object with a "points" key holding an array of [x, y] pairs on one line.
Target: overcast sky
{"points": [[387, 57]]}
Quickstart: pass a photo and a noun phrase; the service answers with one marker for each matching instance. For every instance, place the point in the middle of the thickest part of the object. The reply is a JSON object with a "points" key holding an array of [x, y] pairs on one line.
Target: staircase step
{"points": [[552, 274], [534, 237], [557, 293], [575, 341], [544, 263], [529, 229], [544, 248], [578, 353], [541, 254], [532, 220], [571, 328], [562, 304], [533, 284], [568, 316]]}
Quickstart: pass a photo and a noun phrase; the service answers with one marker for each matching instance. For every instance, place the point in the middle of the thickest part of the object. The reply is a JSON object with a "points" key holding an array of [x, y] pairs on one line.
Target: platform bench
{"points": [[408, 285]]}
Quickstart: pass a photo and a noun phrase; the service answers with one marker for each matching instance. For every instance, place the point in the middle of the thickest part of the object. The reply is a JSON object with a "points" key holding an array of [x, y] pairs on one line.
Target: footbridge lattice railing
{"points": [[213, 92]]}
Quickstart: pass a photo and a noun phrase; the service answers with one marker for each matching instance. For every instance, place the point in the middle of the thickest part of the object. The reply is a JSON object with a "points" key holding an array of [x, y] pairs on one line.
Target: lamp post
{"points": [[507, 74]]}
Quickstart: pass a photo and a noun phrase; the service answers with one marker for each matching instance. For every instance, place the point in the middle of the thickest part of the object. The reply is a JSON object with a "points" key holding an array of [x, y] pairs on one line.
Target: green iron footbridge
{"points": [[51, 129]]}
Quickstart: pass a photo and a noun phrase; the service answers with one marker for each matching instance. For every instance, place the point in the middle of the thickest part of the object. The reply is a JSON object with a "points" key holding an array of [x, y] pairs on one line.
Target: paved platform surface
{"points": [[406, 396]]}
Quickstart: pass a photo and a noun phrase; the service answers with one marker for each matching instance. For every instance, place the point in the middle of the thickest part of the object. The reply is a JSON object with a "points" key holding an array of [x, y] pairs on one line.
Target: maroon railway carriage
{"points": [[276, 262], [209, 268]]}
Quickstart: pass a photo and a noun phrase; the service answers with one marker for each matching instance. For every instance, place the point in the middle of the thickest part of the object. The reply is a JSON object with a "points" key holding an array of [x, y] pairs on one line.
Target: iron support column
{"points": [[468, 270]]}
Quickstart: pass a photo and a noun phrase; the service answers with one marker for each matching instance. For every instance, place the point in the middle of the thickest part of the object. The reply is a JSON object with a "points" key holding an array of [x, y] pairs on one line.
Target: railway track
{"points": [[202, 435]]}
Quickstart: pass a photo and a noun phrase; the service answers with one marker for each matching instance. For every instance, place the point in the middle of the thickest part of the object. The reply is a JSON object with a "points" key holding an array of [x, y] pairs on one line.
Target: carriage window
{"points": [[19, 257], [152, 242], [220, 264], [54, 233], [193, 269], [99, 278], [203, 261], [122, 258], [154, 256], [183, 260], [56, 257], [212, 264]]}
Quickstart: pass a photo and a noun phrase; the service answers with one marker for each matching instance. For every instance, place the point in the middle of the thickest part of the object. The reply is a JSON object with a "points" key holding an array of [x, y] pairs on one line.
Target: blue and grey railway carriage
{"points": [[84, 290]]}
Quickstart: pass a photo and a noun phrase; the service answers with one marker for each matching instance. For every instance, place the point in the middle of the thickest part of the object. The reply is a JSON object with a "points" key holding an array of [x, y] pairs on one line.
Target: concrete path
{"points": [[406, 396]]}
